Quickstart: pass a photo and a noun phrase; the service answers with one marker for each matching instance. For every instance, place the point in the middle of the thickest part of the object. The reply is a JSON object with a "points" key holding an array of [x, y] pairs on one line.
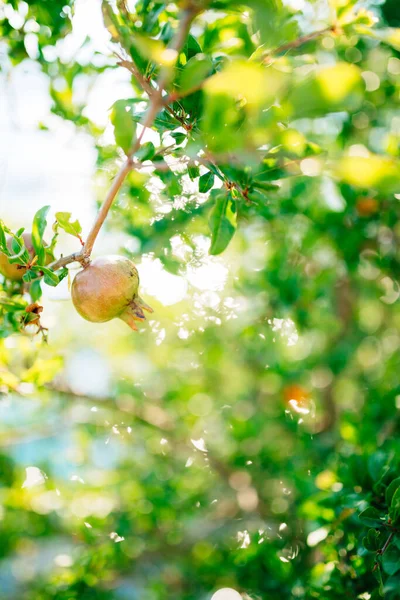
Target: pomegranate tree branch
{"points": [[300, 41], [134, 69], [83, 255], [387, 544], [66, 260], [157, 101], [156, 104], [105, 207]]}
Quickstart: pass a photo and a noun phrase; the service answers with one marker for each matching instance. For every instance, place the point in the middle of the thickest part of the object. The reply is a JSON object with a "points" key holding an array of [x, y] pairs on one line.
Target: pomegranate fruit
{"points": [[107, 288], [14, 271]]}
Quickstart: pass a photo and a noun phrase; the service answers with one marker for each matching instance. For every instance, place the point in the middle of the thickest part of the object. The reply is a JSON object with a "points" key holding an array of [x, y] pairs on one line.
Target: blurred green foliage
{"points": [[248, 438]]}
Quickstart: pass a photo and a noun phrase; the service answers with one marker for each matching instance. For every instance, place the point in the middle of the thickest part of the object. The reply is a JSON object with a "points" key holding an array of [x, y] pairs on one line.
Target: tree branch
{"points": [[382, 550], [299, 42], [66, 260], [83, 255], [105, 207], [387, 543], [134, 69], [156, 103]]}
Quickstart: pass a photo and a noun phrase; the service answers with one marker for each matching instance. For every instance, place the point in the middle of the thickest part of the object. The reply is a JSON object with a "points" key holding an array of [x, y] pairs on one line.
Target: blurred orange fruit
{"points": [[367, 206]]}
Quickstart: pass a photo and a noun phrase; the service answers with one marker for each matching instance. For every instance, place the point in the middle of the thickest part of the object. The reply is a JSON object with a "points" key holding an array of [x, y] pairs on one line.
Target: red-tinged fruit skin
{"points": [[107, 289], [14, 271]]}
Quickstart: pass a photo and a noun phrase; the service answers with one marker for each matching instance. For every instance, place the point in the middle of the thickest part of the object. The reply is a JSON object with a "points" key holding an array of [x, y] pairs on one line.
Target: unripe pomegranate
{"points": [[14, 271], [107, 289]]}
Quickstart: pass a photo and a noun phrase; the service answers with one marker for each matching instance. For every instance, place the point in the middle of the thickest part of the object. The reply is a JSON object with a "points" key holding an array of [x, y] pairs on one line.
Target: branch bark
{"points": [[141, 80], [105, 207]]}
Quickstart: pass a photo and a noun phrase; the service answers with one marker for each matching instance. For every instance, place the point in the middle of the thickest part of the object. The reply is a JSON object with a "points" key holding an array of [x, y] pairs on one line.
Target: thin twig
{"points": [[299, 42], [141, 79], [177, 95], [66, 260], [386, 544], [382, 550]]}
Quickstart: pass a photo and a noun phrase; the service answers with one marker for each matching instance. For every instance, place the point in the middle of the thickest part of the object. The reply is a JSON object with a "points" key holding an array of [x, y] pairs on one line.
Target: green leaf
{"points": [[179, 137], [222, 222], [194, 73], [193, 172], [378, 465], [391, 489], [329, 89], [50, 277], [171, 182], [153, 50], [378, 577], [72, 227], [236, 100], [394, 509], [247, 81], [146, 151], [172, 265], [370, 516], [152, 16], [62, 273], [35, 290], [265, 186], [124, 125], [3, 239], [372, 541], [206, 182], [29, 276], [391, 561], [10, 304], [274, 21], [373, 171], [269, 171], [389, 35], [165, 122], [20, 254], [215, 171], [38, 228], [392, 584], [191, 47]]}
